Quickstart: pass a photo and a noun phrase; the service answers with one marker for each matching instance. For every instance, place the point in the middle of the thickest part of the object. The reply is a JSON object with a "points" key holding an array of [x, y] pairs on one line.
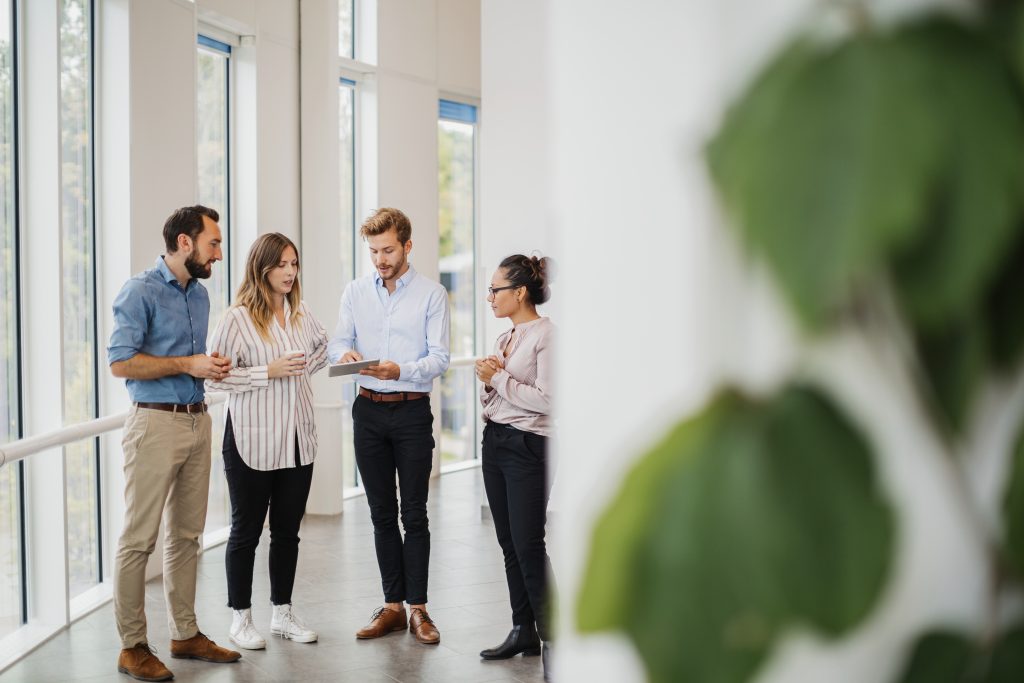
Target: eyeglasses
{"points": [[492, 290]]}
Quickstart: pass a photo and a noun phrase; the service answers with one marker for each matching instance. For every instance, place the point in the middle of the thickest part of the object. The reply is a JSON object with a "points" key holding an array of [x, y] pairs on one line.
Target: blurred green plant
{"points": [[880, 172]]}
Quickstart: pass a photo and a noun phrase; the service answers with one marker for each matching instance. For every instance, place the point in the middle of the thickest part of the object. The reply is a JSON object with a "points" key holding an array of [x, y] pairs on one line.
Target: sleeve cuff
{"points": [[405, 370], [258, 376], [498, 381]]}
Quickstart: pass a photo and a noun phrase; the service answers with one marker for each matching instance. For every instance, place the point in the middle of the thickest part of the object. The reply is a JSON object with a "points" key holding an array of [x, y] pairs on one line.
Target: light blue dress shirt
{"points": [[155, 316], [408, 327]]}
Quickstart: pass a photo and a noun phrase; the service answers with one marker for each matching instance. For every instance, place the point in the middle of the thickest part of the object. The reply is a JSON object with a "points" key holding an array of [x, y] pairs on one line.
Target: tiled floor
{"points": [[337, 587]]}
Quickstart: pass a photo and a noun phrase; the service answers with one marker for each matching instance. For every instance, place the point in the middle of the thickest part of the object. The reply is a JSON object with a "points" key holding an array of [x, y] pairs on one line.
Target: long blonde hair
{"points": [[254, 293]]}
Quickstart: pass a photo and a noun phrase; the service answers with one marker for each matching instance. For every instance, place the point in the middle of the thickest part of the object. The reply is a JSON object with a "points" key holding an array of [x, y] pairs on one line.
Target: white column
{"points": [[321, 232]]}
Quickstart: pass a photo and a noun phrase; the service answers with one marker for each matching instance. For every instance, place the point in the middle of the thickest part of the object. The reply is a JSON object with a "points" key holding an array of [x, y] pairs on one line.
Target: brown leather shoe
{"points": [[422, 626], [140, 662], [384, 621], [201, 647]]}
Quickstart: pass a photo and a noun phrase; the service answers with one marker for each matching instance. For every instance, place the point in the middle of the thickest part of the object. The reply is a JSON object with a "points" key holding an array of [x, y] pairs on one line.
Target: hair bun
{"points": [[545, 267]]}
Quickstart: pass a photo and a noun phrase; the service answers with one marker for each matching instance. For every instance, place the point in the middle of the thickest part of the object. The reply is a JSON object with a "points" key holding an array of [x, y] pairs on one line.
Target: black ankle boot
{"points": [[545, 656], [520, 639]]}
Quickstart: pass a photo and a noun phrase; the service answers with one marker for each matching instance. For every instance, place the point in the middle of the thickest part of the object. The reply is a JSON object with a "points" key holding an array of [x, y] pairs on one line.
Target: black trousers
{"points": [[515, 479], [389, 438], [252, 492]]}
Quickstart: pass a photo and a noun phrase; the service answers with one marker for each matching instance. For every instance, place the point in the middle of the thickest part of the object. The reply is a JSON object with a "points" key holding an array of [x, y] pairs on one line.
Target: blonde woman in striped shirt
{"points": [[516, 398], [275, 345]]}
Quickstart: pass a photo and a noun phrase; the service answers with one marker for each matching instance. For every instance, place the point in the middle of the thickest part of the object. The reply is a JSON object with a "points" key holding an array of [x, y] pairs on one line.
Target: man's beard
{"points": [[196, 269]]}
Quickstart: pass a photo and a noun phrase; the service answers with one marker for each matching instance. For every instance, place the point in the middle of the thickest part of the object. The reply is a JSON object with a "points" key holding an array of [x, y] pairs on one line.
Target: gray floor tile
{"points": [[337, 588]]}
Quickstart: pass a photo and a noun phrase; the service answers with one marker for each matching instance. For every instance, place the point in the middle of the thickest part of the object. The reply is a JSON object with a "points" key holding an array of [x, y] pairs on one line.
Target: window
{"points": [[349, 244], [213, 155], [346, 23], [11, 558], [79, 309], [456, 153]]}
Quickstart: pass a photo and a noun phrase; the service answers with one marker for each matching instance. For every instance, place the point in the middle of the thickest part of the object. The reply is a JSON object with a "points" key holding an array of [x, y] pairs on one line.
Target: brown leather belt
{"points": [[176, 407], [378, 397]]}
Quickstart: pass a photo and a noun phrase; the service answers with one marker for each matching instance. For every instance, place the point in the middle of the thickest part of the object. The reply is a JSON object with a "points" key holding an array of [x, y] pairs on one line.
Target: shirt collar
{"points": [[402, 281], [166, 273]]}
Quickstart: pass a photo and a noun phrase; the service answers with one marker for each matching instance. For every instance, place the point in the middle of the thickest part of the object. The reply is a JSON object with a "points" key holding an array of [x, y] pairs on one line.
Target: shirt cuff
{"points": [[258, 376], [405, 370], [498, 381]]}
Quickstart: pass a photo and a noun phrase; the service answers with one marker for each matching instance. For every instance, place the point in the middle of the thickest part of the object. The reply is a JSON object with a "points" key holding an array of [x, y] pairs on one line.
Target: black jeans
{"points": [[252, 491], [515, 478], [390, 437]]}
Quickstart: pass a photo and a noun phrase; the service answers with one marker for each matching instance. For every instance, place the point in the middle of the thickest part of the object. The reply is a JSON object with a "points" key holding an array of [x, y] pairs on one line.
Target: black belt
{"points": [[199, 407]]}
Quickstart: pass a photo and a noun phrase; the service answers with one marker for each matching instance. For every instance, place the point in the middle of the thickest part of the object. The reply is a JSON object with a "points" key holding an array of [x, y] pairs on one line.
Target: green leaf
{"points": [[977, 199], [945, 657], [826, 165], [940, 657], [745, 520], [955, 359], [1007, 663], [1003, 310], [1013, 510]]}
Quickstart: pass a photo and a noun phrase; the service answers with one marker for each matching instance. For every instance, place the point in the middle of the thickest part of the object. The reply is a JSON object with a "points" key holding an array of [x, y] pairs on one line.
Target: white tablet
{"points": [[350, 368]]}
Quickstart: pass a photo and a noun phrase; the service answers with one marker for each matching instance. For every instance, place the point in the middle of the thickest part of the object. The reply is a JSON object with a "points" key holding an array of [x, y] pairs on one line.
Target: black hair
{"points": [[187, 220], [531, 272]]}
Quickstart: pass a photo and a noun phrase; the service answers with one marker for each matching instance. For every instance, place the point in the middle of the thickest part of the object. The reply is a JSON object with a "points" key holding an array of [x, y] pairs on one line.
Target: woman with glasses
{"points": [[516, 399], [275, 345]]}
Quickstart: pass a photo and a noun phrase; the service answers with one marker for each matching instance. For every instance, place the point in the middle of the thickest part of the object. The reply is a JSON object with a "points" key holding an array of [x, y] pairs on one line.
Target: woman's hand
{"points": [[486, 367], [289, 365]]}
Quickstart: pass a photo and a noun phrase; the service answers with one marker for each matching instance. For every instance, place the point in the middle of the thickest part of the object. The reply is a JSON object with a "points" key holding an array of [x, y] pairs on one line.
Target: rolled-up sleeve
{"points": [[131, 320]]}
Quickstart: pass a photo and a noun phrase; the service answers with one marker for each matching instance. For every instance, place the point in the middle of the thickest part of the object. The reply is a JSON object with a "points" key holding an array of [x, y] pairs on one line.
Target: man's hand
{"points": [[214, 366], [386, 370], [350, 357]]}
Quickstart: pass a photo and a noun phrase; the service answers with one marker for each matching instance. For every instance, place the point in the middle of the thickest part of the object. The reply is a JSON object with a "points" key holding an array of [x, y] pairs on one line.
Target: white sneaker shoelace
{"points": [[286, 624], [244, 633]]}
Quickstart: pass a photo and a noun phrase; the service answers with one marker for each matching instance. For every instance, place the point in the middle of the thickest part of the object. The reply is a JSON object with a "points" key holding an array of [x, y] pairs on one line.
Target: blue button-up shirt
{"points": [[408, 327], [154, 315]]}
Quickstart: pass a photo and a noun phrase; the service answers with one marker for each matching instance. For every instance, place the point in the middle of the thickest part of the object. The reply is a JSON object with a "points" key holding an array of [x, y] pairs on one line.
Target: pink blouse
{"points": [[520, 393]]}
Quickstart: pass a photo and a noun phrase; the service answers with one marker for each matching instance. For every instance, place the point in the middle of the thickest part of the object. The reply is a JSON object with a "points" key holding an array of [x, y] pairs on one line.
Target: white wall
{"points": [[514, 144]]}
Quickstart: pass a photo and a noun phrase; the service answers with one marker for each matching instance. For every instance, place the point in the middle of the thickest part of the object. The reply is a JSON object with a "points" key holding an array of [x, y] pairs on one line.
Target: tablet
{"points": [[350, 368]]}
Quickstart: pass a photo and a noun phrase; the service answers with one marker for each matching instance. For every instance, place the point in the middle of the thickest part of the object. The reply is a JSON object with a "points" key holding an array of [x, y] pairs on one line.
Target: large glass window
{"points": [[10, 504], [456, 153], [346, 23], [213, 155], [347, 214], [79, 306]]}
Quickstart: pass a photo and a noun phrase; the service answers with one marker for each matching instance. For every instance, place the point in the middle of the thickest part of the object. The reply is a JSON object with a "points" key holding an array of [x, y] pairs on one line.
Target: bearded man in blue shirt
{"points": [[400, 317], [159, 346]]}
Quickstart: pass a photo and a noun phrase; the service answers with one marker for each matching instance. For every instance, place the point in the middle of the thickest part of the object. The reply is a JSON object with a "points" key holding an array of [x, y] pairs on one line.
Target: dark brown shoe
{"points": [[201, 647], [384, 621], [422, 626], [140, 662]]}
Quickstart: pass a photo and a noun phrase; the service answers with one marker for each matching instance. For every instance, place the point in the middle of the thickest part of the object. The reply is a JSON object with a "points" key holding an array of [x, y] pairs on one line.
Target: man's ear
{"points": [[408, 247], [184, 242]]}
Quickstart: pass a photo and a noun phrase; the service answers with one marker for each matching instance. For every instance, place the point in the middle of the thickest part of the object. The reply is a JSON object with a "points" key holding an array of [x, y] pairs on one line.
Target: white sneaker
{"points": [[284, 623], [243, 633]]}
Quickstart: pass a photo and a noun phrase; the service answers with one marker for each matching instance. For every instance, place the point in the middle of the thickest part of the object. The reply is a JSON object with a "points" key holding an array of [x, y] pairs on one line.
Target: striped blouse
{"points": [[266, 414], [520, 393]]}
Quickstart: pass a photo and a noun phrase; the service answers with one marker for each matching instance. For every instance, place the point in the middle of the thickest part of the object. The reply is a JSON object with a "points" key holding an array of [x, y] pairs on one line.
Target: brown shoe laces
{"points": [[381, 610], [423, 616]]}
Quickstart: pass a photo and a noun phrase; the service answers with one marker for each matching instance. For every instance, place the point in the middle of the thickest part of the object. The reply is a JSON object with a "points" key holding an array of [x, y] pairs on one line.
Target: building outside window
{"points": [[456, 153], [213, 152]]}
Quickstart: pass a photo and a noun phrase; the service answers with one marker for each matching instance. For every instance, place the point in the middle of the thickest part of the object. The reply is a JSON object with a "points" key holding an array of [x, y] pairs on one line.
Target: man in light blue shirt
{"points": [[400, 317]]}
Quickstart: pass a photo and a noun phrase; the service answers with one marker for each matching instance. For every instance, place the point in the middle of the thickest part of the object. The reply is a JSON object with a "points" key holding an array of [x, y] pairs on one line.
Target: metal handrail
{"points": [[22, 448]]}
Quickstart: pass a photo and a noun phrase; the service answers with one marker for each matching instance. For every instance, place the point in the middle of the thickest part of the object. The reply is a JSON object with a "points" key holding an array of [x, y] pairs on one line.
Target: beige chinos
{"points": [[166, 474]]}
